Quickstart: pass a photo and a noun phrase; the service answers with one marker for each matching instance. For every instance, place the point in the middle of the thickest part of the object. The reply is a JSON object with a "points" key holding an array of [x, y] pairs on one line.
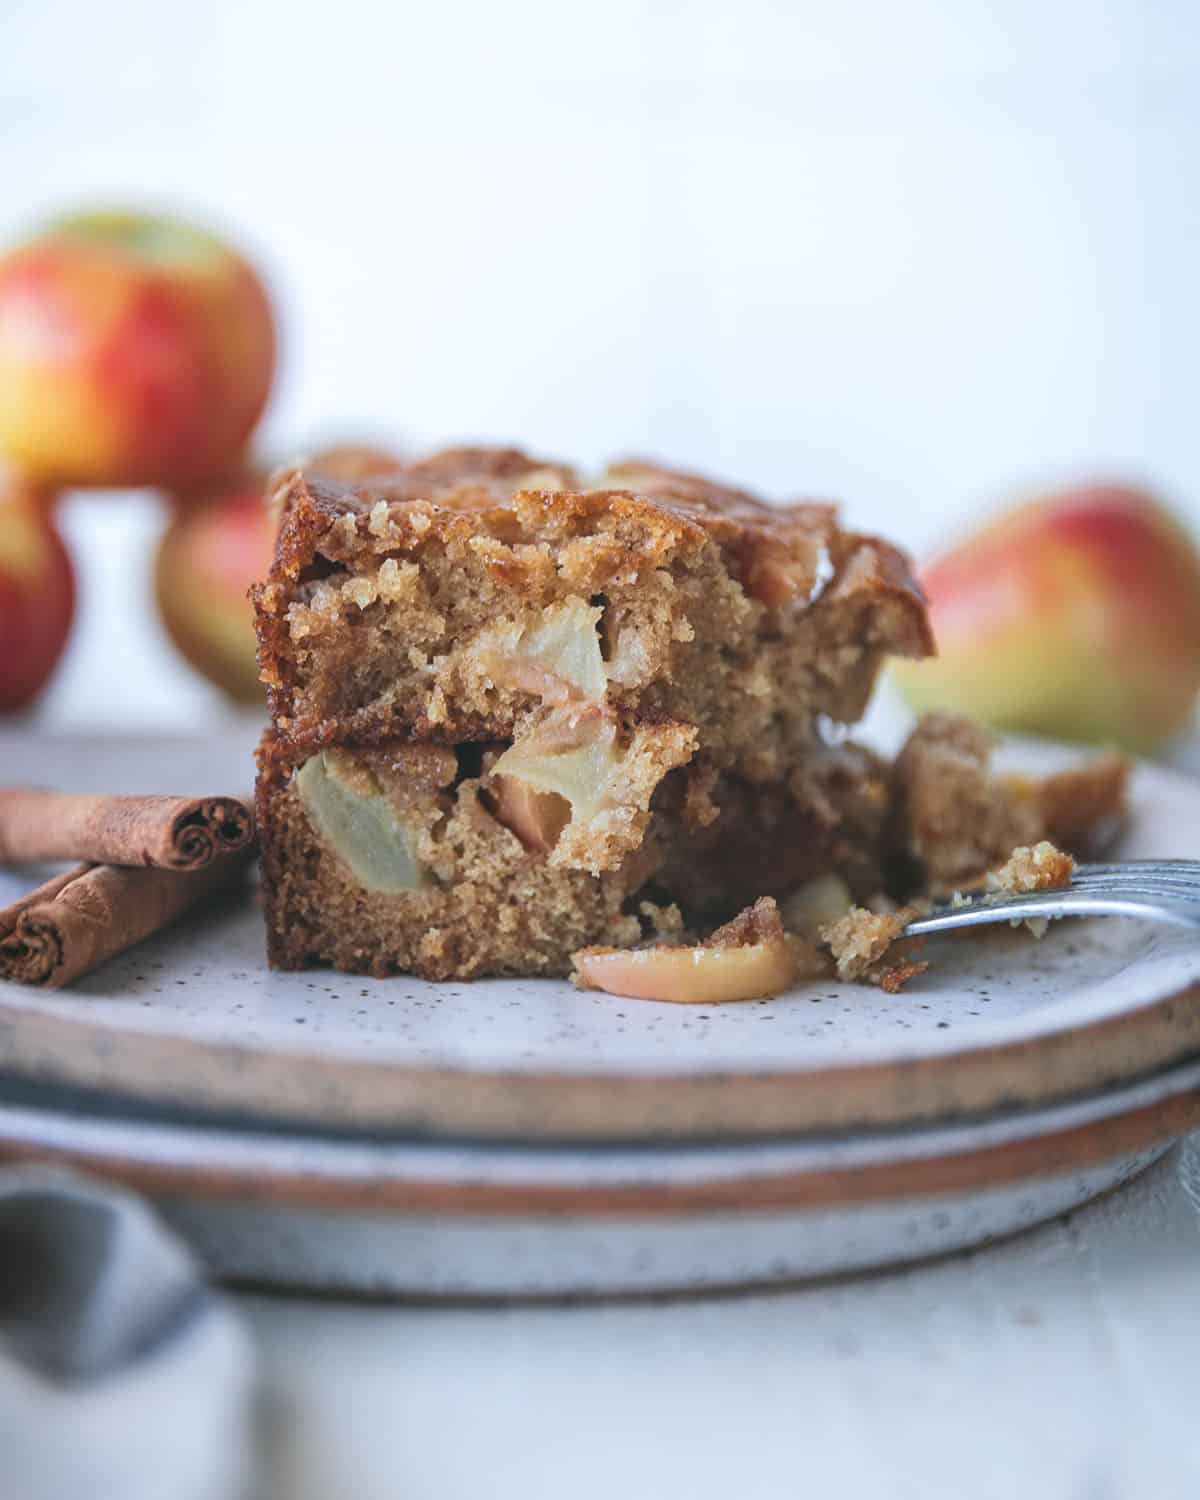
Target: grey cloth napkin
{"points": [[123, 1376]]}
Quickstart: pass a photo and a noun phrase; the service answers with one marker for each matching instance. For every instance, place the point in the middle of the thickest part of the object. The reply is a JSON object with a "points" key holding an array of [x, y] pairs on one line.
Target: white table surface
{"points": [[1063, 1365]]}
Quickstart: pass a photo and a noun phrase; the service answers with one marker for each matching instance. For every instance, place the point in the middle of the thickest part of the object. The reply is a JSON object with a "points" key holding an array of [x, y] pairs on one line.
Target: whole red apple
{"points": [[134, 349], [1075, 616], [210, 554], [37, 598]]}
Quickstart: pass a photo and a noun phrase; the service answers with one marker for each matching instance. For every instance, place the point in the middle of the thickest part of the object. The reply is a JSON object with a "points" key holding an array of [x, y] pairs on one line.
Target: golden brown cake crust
{"points": [[696, 583]]}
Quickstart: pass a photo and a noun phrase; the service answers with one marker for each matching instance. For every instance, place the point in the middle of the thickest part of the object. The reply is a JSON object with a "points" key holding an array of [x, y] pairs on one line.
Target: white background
{"points": [[921, 256]]}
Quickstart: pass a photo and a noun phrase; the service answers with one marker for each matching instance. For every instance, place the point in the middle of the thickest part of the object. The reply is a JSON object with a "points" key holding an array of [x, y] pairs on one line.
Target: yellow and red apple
{"points": [[1075, 616], [37, 597], [209, 555], [134, 349]]}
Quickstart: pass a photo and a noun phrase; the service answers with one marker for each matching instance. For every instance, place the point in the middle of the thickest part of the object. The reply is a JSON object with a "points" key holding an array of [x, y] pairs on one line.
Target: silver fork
{"points": [[1157, 890]]}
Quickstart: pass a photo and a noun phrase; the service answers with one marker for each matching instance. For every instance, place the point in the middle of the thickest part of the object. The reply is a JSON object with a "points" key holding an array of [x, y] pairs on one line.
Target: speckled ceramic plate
{"points": [[440, 1219], [195, 1020]]}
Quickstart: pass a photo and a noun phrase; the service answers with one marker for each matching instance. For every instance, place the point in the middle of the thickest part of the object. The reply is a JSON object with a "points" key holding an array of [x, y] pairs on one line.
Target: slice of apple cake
{"points": [[514, 714], [508, 708]]}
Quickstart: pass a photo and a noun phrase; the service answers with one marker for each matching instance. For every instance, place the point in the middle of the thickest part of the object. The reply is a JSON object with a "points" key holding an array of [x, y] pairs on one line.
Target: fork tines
{"points": [[1162, 890]]}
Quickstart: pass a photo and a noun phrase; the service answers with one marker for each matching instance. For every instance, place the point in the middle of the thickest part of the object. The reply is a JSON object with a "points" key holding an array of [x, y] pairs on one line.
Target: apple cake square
{"points": [[514, 714]]}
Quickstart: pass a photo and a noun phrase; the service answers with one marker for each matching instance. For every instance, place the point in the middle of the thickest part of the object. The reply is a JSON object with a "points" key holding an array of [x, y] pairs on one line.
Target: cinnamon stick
{"points": [[78, 920], [176, 833]]}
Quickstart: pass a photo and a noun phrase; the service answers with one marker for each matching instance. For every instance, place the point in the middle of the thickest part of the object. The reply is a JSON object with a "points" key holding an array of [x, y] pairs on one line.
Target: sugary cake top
{"points": [[481, 480], [501, 498]]}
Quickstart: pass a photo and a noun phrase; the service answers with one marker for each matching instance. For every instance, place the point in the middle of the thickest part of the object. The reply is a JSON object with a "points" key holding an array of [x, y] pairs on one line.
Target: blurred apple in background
{"points": [[37, 595], [213, 549], [1075, 616], [43, 499], [134, 349], [219, 542]]}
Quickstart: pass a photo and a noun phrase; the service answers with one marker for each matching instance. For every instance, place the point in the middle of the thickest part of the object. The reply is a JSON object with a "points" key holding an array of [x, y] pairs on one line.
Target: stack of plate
{"points": [[521, 1137]]}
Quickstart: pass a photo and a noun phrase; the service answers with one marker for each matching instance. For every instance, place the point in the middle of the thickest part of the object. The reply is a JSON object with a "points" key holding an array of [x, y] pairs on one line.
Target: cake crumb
{"points": [[1040, 868], [861, 940], [759, 923], [665, 922], [892, 980]]}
